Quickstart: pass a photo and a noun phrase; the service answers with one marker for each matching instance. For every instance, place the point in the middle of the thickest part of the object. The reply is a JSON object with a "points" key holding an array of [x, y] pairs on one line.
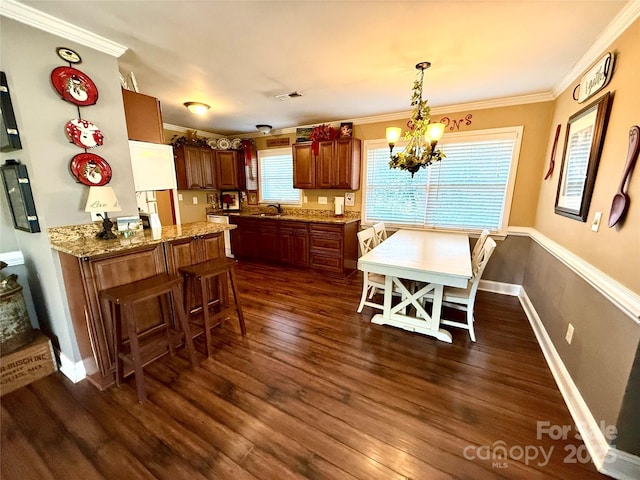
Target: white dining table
{"points": [[434, 258]]}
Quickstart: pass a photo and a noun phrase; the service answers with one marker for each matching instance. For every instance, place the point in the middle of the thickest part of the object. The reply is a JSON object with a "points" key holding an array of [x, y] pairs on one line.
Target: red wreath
{"points": [[320, 133]]}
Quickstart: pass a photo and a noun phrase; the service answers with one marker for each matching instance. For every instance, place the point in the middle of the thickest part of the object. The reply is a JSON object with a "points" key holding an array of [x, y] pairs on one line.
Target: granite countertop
{"points": [[81, 241], [296, 215]]}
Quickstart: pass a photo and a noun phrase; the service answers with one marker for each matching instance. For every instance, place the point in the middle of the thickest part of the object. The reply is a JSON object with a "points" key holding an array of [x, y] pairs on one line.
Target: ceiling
{"points": [[348, 59]]}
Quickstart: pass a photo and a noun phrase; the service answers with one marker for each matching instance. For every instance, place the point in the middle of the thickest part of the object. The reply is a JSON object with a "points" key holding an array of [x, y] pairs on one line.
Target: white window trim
{"points": [[273, 152], [504, 224]]}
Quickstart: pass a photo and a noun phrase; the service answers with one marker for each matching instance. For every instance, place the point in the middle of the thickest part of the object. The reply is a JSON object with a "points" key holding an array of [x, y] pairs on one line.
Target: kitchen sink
{"points": [[268, 214]]}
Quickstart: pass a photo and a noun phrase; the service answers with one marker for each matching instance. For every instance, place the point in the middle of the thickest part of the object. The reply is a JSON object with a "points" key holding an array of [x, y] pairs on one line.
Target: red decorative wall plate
{"points": [[90, 169], [83, 133], [74, 86]]}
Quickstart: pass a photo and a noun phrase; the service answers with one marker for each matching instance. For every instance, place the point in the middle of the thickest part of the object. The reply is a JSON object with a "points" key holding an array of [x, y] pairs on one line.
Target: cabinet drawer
{"points": [[325, 229], [325, 262], [332, 244]]}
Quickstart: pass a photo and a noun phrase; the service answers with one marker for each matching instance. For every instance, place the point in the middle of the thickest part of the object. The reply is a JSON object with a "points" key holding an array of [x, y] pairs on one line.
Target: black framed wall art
{"points": [[19, 196]]}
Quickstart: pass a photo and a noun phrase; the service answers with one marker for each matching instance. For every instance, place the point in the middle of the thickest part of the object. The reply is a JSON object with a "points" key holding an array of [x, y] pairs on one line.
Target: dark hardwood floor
{"points": [[314, 391]]}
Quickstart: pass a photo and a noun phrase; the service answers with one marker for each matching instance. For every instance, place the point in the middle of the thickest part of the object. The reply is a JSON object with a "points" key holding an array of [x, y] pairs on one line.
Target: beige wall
{"points": [[615, 251], [535, 117]]}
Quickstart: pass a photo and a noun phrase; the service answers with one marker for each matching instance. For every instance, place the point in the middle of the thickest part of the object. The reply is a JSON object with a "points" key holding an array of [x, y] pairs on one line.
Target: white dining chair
{"points": [[479, 243], [371, 282], [464, 298], [381, 232]]}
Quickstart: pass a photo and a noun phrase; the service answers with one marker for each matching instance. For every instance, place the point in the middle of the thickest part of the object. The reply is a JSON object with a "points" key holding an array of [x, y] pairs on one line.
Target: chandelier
{"points": [[422, 135]]}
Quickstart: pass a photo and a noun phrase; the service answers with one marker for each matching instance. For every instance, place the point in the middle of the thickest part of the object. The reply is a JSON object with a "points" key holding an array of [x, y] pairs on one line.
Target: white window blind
{"points": [[275, 169], [576, 173], [469, 190]]}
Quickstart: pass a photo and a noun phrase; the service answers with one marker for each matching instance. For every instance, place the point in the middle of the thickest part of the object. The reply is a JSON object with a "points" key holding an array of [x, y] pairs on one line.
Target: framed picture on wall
{"points": [[582, 148], [230, 201], [252, 197], [346, 129], [18, 189]]}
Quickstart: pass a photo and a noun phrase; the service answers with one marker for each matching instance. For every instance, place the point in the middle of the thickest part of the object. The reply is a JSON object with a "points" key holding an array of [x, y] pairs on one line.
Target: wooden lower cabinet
{"points": [[293, 243], [189, 251], [85, 277], [331, 248]]}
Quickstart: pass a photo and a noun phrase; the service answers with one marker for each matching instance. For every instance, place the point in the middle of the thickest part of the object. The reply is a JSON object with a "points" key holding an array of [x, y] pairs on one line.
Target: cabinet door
{"points": [[285, 236], [268, 240], [244, 239], [212, 247], [182, 253], [112, 271], [325, 165], [143, 117], [300, 247], [227, 170], [347, 164], [193, 167], [208, 162], [304, 166]]}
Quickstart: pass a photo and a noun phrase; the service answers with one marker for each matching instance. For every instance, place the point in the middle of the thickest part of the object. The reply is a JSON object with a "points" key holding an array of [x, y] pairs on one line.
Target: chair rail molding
{"points": [[623, 298]]}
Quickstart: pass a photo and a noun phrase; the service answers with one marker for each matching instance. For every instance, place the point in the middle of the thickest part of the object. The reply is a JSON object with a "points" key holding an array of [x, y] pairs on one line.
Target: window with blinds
{"points": [[275, 167], [469, 190]]}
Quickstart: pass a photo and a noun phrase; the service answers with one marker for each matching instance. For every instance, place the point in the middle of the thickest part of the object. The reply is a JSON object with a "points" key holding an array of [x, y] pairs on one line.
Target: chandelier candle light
{"points": [[422, 135]]}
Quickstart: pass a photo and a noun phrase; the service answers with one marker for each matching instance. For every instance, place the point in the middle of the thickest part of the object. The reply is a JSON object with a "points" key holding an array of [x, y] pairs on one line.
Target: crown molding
{"points": [[201, 133], [50, 24], [629, 14], [458, 107]]}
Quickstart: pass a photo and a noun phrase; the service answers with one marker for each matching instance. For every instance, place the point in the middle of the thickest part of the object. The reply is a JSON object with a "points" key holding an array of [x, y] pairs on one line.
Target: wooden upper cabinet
{"points": [[208, 162], [337, 164], [195, 167], [143, 116], [325, 165], [304, 166], [229, 170], [347, 163]]}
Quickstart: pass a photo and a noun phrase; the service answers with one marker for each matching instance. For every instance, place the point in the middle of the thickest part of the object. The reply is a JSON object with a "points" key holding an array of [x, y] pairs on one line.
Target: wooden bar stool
{"points": [[198, 276], [121, 301]]}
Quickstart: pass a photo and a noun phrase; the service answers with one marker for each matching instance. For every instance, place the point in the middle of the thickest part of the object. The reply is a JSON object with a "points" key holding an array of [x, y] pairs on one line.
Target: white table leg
{"points": [[428, 325]]}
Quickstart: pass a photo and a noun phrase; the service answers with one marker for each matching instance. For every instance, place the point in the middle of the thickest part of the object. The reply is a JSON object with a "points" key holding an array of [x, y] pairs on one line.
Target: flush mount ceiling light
{"points": [[197, 107], [264, 128], [288, 96]]}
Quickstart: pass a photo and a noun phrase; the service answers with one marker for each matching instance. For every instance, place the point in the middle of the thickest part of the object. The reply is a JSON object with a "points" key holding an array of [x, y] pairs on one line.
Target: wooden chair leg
{"points": [[236, 298], [136, 357], [205, 314], [184, 322], [165, 311], [116, 318]]}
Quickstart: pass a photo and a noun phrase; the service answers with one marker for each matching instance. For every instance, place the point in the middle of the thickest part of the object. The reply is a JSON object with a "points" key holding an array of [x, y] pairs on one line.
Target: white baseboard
{"points": [[607, 459], [510, 289], [74, 371], [12, 258], [622, 466]]}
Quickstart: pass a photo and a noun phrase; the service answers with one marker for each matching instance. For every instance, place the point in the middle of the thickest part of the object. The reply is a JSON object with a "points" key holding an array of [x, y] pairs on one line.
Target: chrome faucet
{"points": [[277, 207]]}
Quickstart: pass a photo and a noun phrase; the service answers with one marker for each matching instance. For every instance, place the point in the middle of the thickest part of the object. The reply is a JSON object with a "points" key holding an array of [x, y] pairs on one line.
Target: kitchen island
{"points": [[90, 265]]}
